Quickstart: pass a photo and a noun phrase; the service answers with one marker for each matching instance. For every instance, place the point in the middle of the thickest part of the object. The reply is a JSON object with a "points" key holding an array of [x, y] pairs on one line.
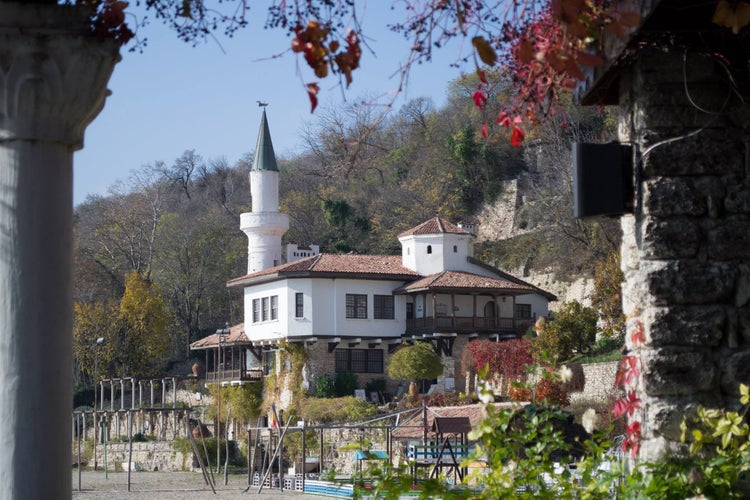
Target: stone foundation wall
{"points": [[150, 456], [600, 383]]}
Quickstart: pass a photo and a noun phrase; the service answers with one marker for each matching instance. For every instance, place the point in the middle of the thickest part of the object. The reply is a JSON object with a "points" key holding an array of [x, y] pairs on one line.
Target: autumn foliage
{"points": [[508, 359]]}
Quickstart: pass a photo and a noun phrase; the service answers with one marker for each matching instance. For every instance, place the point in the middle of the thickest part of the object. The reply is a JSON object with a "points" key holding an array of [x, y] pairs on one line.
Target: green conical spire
{"points": [[265, 159]]}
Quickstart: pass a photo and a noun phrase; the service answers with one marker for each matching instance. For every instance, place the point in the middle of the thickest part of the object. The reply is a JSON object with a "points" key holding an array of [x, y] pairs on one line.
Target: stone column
{"points": [[53, 78], [686, 251]]}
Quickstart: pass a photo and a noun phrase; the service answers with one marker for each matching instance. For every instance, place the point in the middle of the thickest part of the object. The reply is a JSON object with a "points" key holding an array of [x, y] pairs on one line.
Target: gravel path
{"points": [[168, 486]]}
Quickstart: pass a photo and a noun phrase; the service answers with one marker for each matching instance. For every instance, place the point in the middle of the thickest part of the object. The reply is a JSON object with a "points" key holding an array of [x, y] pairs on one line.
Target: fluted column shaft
{"points": [[53, 78]]}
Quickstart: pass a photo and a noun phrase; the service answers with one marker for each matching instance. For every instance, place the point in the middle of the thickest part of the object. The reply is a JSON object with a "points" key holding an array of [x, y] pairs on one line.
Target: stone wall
{"points": [[686, 250], [600, 383], [149, 456]]}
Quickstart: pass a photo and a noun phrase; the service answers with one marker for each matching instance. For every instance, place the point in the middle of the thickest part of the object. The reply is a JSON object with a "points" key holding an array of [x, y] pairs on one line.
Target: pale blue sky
{"points": [[175, 97]]}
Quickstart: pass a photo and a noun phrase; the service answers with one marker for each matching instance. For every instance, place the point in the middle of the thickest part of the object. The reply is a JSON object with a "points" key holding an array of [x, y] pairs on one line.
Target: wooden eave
{"points": [[664, 24]]}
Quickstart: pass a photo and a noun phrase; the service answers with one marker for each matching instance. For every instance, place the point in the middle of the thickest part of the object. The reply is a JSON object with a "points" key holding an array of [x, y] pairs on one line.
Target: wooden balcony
{"points": [[252, 375], [466, 324]]}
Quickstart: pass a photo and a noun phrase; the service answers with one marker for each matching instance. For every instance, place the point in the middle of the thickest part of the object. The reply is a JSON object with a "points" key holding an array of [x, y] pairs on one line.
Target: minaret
{"points": [[265, 225]]}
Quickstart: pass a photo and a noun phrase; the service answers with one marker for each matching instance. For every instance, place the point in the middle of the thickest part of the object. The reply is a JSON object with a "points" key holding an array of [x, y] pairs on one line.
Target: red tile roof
{"points": [[236, 336], [458, 280], [375, 266], [436, 225]]}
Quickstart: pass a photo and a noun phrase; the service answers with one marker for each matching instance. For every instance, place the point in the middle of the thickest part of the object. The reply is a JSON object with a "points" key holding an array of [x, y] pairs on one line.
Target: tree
{"points": [[571, 330], [607, 296], [415, 362], [144, 338], [93, 321]]}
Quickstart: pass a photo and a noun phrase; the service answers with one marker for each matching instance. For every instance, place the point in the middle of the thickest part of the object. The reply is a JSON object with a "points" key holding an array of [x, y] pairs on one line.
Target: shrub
{"points": [[573, 329], [375, 385], [325, 410], [324, 387], [415, 362], [551, 392], [345, 384]]}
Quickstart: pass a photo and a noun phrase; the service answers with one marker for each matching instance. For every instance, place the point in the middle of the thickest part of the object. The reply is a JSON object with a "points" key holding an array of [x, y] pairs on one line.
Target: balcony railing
{"points": [[466, 324], [251, 375]]}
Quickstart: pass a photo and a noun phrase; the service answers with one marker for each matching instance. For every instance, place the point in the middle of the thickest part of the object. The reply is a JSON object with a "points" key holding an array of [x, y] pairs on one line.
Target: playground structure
{"points": [[298, 457]]}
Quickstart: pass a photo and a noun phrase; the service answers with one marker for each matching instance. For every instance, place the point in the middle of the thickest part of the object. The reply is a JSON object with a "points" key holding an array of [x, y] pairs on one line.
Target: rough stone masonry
{"points": [[686, 250]]}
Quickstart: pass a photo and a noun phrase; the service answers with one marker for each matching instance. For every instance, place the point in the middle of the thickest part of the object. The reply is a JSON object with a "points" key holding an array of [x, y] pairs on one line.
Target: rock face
{"points": [[685, 251]]}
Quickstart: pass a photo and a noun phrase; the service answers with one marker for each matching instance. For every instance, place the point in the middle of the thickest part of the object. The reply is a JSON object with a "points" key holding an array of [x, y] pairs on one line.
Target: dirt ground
{"points": [[168, 486]]}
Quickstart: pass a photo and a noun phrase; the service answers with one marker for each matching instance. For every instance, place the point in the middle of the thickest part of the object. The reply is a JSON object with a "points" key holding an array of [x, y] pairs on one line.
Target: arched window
{"points": [[429, 248], [455, 249]]}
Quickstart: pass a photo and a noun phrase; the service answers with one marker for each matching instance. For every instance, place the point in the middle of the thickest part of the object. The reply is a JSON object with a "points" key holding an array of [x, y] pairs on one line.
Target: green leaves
{"points": [[415, 362]]}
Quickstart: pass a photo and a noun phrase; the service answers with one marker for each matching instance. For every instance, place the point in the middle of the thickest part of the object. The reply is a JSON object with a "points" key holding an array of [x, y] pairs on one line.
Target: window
{"points": [[455, 249], [256, 310], [299, 305], [264, 309], [274, 307], [359, 360], [429, 248], [269, 361], [383, 307], [356, 306], [523, 311], [410, 310]]}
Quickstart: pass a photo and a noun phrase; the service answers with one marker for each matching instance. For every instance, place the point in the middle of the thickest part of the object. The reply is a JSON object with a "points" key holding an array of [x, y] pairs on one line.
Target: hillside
{"points": [[355, 187]]}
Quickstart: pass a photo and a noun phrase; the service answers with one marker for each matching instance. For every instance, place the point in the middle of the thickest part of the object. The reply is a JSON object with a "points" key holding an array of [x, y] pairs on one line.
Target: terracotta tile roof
{"points": [[458, 280], [385, 266], [236, 336], [436, 225]]}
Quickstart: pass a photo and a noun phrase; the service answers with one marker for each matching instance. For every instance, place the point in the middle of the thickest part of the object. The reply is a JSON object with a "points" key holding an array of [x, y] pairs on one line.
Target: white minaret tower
{"points": [[265, 225]]}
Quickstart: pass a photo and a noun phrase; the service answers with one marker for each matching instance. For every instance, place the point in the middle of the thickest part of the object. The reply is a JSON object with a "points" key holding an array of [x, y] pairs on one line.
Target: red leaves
{"points": [[638, 335], [503, 119], [321, 55], [311, 40], [628, 404], [108, 20], [486, 53], [633, 437], [312, 94], [485, 132], [348, 60], [480, 98], [525, 51], [516, 136], [627, 371], [509, 358]]}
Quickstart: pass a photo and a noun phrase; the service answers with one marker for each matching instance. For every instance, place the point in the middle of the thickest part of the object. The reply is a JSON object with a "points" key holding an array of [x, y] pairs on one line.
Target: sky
{"points": [[174, 96]]}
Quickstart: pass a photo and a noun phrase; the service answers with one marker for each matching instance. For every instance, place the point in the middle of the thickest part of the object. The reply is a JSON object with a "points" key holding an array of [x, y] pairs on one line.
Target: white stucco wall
{"points": [[414, 252], [324, 309]]}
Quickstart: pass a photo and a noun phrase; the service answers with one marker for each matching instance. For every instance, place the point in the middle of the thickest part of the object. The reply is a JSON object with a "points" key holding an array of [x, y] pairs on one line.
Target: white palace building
{"points": [[351, 312]]}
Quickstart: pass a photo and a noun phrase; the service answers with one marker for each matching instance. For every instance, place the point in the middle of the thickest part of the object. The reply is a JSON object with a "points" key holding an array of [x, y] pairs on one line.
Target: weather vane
{"points": [[262, 104]]}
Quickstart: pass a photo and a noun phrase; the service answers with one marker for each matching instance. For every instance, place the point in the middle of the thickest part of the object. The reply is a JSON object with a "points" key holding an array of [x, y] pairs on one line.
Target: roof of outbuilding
{"points": [[436, 225], [236, 336]]}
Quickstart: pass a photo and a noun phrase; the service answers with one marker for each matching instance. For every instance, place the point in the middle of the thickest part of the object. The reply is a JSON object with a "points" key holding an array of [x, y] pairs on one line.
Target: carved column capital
{"points": [[53, 73]]}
